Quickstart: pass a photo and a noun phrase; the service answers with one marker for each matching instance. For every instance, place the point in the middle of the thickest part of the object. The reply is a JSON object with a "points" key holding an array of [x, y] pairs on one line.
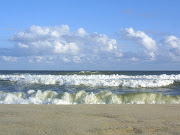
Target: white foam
{"points": [[82, 97], [96, 80]]}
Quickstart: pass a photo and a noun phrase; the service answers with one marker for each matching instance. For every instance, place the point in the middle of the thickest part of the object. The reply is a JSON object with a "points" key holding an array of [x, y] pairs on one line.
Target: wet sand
{"points": [[89, 119]]}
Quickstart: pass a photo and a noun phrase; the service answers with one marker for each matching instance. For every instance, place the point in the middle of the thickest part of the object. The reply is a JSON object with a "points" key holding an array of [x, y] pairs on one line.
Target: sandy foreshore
{"points": [[89, 119]]}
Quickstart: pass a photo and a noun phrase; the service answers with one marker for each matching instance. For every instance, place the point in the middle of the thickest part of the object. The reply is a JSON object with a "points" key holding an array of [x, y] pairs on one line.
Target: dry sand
{"points": [[89, 119]]}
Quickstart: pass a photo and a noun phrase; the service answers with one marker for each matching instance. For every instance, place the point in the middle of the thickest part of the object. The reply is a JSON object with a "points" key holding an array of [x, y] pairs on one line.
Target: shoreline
{"points": [[90, 119]]}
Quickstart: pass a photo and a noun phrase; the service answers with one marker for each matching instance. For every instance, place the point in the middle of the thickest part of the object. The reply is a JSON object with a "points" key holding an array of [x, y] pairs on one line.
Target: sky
{"points": [[89, 35]]}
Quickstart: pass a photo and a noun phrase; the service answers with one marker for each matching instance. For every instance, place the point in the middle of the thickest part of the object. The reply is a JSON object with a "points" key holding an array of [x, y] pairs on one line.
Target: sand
{"points": [[89, 119]]}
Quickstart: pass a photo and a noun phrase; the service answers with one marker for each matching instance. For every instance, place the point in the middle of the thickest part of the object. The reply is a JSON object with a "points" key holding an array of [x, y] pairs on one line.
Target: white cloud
{"points": [[134, 59], [65, 59], [59, 46], [36, 59], [81, 32], [141, 38], [76, 59], [36, 33], [172, 44], [39, 59], [9, 58], [39, 40], [107, 44], [61, 41], [68, 48]]}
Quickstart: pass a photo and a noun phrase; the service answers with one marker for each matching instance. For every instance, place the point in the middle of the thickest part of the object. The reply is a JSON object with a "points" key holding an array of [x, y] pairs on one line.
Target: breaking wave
{"points": [[96, 80], [82, 97]]}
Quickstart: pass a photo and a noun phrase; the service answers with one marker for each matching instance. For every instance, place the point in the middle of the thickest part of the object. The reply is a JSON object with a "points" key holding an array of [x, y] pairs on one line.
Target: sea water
{"points": [[89, 87]]}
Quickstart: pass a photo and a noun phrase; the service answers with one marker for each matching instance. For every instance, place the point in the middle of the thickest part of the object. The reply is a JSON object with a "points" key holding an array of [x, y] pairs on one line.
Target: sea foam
{"points": [[96, 80], [82, 97]]}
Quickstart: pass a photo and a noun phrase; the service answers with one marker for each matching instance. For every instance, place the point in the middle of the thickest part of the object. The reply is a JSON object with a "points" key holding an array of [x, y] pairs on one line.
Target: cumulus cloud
{"points": [[81, 32], [172, 43], [44, 40], [140, 37], [38, 42], [38, 33], [58, 45]]}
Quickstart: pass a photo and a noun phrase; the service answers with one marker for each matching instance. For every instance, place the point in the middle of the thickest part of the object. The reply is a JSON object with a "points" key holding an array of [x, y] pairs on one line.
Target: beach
{"points": [[89, 102], [90, 67], [89, 119]]}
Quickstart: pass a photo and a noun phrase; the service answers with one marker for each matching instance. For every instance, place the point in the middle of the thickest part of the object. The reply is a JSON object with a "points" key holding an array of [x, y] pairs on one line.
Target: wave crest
{"points": [[96, 80], [82, 97]]}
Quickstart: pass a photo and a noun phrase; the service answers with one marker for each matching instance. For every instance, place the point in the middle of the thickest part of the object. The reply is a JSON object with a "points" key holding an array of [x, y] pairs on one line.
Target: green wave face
{"points": [[82, 97]]}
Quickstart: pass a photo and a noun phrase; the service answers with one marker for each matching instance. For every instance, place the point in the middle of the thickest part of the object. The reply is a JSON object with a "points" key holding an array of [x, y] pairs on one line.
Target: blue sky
{"points": [[90, 34]]}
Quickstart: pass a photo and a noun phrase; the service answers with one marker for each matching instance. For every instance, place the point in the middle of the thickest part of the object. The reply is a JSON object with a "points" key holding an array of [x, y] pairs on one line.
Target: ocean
{"points": [[89, 87]]}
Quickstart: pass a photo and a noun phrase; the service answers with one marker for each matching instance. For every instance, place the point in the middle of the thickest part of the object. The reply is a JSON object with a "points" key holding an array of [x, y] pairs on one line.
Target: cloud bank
{"points": [[59, 45], [61, 42], [139, 37]]}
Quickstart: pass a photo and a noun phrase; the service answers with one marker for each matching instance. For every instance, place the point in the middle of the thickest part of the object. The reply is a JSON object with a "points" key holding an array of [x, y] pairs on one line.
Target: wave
{"points": [[82, 97], [97, 80]]}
